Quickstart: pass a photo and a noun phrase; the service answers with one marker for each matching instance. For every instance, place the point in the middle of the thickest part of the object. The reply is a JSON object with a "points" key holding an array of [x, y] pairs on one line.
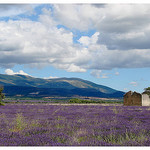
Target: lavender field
{"points": [[74, 125]]}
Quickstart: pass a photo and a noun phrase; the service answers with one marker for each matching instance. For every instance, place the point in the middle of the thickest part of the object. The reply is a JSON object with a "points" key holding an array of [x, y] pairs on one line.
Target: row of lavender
{"points": [[74, 125]]}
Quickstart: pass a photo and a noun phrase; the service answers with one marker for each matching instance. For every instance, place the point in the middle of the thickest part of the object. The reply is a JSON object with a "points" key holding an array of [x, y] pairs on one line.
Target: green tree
{"points": [[2, 96], [147, 90]]}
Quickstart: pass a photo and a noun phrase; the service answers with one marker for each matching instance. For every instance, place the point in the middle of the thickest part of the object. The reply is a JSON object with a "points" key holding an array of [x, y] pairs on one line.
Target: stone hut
{"points": [[145, 99], [132, 99]]}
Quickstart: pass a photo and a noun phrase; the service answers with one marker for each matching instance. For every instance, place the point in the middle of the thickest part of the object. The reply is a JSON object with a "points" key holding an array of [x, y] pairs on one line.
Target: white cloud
{"points": [[121, 40], [10, 10], [35, 43], [107, 59], [118, 30], [86, 41], [104, 76], [11, 72], [125, 89], [98, 74], [116, 73], [74, 68], [133, 83], [76, 16], [51, 77]]}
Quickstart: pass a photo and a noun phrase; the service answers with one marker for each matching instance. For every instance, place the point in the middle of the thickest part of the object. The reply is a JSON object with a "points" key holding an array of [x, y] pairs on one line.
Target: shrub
{"points": [[76, 100], [2, 104], [2, 96]]}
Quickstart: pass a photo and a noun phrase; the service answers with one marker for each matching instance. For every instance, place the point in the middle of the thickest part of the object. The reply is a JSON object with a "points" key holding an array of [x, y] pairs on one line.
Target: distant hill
{"points": [[37, 87]]}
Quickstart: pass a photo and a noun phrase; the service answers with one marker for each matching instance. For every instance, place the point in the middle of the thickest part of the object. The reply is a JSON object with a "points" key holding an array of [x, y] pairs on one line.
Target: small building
{"points": [[145, 99], [136, 99], [132, 99]]}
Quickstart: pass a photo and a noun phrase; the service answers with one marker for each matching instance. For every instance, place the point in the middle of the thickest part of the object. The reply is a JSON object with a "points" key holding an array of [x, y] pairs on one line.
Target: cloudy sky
{"points": [[108, 44]]}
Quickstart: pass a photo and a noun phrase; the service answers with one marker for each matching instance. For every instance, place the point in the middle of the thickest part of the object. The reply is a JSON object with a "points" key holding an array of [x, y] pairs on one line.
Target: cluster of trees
{"points": [[77, 100], [147, 90], [2, 96]]}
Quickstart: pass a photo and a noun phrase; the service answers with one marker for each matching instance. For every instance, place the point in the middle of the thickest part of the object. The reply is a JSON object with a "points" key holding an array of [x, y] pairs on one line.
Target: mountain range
{"points": [[27, 86]]}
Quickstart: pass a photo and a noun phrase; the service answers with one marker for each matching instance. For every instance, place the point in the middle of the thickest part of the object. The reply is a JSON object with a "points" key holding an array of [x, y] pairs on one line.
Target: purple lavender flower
{"points": [[74, 125]]}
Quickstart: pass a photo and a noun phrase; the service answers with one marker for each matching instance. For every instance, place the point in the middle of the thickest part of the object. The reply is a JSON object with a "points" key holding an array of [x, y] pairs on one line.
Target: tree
{"points": [[2, 96], [147, 90]]}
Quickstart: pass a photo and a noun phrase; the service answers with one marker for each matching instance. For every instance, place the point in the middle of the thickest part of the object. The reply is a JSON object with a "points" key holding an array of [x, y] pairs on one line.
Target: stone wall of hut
{"points": [[132, 99], [145, 99]]}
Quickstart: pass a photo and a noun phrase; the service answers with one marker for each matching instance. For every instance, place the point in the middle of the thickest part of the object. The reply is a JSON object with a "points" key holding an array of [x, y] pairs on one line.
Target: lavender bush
{"points": [[74, 125]]}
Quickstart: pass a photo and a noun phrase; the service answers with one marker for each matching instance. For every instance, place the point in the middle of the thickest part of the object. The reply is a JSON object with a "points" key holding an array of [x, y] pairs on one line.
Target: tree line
{"points": [[2, 96]]}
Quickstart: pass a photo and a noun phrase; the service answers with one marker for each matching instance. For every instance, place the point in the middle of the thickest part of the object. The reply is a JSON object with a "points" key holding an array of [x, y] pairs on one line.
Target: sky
{"points": [[108, 44]]}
